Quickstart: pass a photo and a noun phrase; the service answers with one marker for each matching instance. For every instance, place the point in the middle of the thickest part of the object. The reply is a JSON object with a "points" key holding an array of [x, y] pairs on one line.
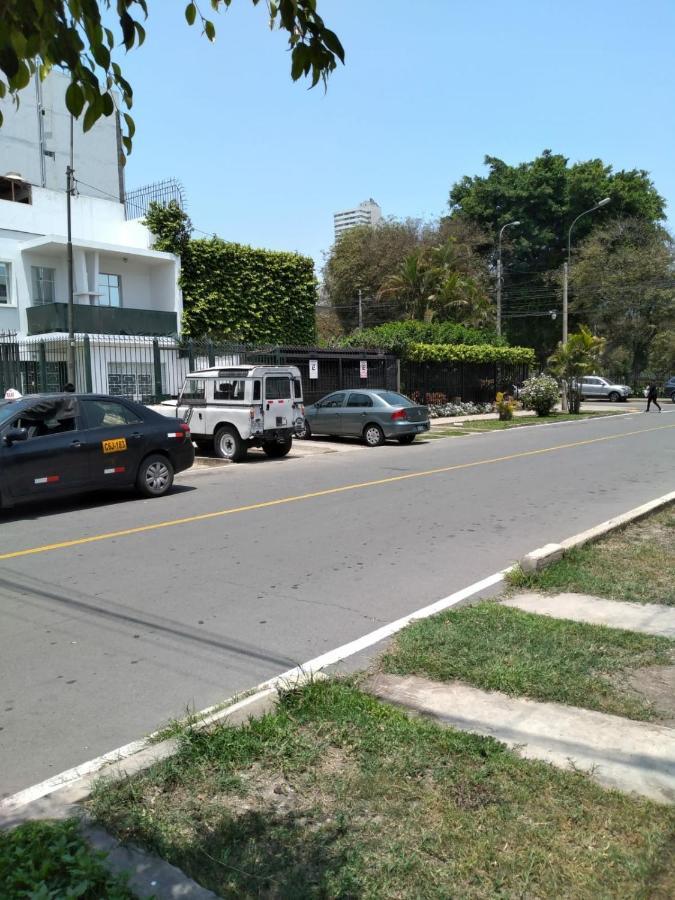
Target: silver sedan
{"points": [[373, 415]]}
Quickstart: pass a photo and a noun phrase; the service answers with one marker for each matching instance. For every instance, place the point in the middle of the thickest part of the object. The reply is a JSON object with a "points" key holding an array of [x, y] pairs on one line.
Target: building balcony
{"points": [[101, 320]]}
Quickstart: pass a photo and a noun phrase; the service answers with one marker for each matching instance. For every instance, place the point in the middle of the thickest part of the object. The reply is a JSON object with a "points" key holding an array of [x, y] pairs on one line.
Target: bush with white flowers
{"points": [[540, 393], [443, 410]]}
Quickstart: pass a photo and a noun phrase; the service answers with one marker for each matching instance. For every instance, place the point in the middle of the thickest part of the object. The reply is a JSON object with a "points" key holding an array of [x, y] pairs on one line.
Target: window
{"points": [[256, 390], [15, 190], [229, 389], [333, 401], [47, 418], [5, 284], [297, 389], [394, 399], [109, 289], [359, 400], [278, 387], [103, 413], [43, 285], [194, 389]]}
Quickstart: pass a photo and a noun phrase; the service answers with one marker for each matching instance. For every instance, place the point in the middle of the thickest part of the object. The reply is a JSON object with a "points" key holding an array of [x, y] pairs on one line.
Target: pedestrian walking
{"points": [[651, 397]]}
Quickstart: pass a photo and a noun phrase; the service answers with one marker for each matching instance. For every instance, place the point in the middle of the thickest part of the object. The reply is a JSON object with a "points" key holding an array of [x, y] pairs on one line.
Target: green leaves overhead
{"points": [[474, 353], [37, 35]]}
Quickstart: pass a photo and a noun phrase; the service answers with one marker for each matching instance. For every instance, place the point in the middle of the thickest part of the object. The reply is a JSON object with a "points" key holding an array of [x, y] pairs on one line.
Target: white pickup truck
{"points": [[237, 407]]}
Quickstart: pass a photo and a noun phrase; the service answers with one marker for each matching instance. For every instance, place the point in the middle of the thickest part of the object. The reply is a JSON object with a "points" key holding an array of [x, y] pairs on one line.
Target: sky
{"points": [[428, 89]]}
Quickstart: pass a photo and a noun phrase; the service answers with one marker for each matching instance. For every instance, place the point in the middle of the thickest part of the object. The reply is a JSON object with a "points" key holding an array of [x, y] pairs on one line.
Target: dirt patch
{"points": [[656, 686]]}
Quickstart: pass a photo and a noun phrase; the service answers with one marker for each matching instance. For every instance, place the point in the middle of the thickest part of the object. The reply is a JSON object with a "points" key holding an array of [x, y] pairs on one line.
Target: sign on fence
{"points": [[363, 368], [313, 368]]}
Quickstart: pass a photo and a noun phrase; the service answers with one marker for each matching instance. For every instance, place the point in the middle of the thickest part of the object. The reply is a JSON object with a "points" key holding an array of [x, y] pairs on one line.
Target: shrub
{"points": [[540, 393], [504, 406], [398, 336], [470, 353]]}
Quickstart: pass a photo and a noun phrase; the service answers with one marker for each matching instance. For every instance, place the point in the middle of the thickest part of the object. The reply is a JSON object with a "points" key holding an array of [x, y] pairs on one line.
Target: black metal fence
{"points": [[151, 369], [442, 382]]}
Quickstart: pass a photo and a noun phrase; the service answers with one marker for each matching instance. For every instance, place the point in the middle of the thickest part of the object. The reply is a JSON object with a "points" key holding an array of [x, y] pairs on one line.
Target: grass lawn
{"points": [[43, 860], [480, 425], [499, 648], [336, 795], [636, 563]]}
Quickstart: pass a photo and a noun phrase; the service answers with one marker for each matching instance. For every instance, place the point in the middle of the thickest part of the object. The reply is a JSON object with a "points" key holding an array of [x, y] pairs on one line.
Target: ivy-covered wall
{"points": [[251, 295]]}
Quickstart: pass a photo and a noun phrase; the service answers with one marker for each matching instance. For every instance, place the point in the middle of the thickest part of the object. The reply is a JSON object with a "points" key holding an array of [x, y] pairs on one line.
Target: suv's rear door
{"points": [[277, 402]]}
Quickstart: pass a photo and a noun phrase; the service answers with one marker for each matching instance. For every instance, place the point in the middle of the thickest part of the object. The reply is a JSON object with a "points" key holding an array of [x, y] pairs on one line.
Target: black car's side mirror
{"points": [[16, 434]]}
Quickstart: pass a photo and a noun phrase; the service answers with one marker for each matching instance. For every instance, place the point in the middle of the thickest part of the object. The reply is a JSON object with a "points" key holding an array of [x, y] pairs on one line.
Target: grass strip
{"points": [[499, 648], [337, 795], [48, 859], [636, 563]]}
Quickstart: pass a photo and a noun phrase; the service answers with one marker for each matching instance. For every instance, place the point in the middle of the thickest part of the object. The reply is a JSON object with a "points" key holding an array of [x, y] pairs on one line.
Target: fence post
{"points": [[398, 374], [340, 373], [86, 348], [210, 352], [157, 369], [42, 367], [191, 355]]}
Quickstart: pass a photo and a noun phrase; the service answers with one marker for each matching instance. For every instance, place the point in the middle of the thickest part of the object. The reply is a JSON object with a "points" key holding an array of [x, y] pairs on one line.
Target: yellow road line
{"points": [[202, 517]]}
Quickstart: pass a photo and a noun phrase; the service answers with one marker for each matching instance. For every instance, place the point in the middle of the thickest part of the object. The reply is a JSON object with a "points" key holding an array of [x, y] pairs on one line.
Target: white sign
{"points": [[363, 368], [314, 368]]}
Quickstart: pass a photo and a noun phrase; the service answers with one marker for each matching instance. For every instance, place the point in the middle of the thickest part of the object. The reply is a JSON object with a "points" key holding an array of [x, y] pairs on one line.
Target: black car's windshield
{"points": [[394, 399], [7, 410]]}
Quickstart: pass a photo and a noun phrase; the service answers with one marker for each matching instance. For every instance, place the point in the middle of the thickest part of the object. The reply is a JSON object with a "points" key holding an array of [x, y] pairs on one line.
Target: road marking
{"points": [[213, 714], [267, 504]]}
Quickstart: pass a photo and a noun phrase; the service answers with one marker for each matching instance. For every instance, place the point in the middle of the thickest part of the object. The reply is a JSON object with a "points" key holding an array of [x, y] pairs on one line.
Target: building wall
{"points": [[35, 142], [366, 213]]}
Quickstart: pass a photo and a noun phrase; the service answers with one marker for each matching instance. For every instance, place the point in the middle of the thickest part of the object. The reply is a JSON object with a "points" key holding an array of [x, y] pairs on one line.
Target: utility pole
{"points": [[360, 310], [499, 273], [566, 275], [71, 311]]}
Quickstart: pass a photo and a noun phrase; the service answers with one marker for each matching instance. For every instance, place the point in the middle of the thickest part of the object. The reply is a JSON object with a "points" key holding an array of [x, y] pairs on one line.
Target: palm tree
{"points": [[578, 357], [412, 285]]}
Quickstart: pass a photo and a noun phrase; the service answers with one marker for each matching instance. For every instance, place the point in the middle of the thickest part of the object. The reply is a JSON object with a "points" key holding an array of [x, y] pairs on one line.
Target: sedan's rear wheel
{"points": [[406, 439], [228, 444], [672, 397], [614, 397], [155, 476], [373, 435], [305, 432]]}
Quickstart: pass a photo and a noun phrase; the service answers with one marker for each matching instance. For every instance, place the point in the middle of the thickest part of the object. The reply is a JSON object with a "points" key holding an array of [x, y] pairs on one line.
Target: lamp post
{"points": [[499, 273], [566, 265], [70, 189]]}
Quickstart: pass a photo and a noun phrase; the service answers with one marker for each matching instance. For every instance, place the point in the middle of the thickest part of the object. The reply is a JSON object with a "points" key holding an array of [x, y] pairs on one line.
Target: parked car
{"points": [[234, 408], [593, 387], [373, 415], [53, 444], [669, 388]]}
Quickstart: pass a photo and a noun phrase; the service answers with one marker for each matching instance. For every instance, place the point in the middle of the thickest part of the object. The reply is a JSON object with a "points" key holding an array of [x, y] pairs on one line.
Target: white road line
{"points": [[214, 713]]}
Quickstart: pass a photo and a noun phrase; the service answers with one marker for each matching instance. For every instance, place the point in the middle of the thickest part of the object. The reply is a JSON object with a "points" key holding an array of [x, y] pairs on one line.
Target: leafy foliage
{"points": [[662, 354], [397, 336], [471, 353], [580, 356], [40, 34], [540, 393], [239, 292], [51, 859], [622, 285], [170, 225]]}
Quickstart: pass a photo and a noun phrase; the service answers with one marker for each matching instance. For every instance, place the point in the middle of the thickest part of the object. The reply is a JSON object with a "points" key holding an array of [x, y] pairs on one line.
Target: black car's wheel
{"points": [[373, 435], [306, 432], [155, 476], [228, 444], [275, 450], [614, 397], [406, 439], [672, 397]]}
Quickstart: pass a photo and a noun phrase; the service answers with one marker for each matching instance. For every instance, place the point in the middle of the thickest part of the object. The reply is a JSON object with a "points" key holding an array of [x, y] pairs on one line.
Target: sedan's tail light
{"points": [[399, 415], [182, 434]]}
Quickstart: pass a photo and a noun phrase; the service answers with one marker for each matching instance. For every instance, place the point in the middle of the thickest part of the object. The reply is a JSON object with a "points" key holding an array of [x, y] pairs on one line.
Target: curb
{"points": [[550, 553]]}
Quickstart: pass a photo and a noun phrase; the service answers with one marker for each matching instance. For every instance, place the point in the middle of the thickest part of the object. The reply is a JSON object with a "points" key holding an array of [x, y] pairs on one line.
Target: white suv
{"points": [[234, 408], [593, 387]]}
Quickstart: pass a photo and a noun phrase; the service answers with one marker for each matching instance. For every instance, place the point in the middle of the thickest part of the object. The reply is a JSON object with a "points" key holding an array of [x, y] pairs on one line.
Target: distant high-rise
{"points": [[366, 213]]}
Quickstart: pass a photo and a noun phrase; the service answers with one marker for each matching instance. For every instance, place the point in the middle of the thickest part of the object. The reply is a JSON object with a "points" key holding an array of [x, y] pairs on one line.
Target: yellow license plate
{"points": [[115, 445]]}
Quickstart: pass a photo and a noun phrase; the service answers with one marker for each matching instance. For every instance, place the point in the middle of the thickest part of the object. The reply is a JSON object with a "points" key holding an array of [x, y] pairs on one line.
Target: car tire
{"points": [[406, 438], [373, 435], [275, 450], [672, 397], [155, 476], [614, 397], [306, 432], [227, 444]]}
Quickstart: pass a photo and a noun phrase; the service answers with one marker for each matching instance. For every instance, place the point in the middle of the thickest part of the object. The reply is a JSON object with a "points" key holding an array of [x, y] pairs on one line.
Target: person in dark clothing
{"points": [[69, 388], [651, 397]]}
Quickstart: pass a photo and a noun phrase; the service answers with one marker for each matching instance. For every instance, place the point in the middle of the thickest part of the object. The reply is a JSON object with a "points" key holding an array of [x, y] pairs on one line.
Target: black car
{"points": [[669, 388], [53, 444]]}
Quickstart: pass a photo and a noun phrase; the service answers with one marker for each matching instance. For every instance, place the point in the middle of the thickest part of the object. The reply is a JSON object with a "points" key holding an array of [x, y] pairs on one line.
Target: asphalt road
{"points": [[104, 639]]}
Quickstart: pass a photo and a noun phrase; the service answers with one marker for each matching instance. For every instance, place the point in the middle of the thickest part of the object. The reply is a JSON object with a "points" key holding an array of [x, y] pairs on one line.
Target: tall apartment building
{"points": [[366, 213]]}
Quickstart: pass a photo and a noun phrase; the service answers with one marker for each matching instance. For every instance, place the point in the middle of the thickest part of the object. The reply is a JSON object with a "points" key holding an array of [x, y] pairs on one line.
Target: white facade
{"points": [[366, 213], [113, 263]]}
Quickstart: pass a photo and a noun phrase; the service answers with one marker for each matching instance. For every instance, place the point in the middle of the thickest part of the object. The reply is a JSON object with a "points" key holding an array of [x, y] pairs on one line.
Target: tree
{"points": [[361, 259], [623, 285], [412, 286], [662, 353], [545, 195], [580, 356], [170, 225], [37, 35]]}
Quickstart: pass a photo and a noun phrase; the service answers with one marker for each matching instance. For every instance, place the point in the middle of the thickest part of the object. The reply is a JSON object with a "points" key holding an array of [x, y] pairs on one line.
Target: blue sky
{"points": [[429, 88]]}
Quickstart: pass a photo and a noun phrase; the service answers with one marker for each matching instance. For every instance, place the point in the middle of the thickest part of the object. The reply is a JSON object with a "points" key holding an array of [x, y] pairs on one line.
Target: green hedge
{"points": [[471, 353], [398, 336], [251, 295]]}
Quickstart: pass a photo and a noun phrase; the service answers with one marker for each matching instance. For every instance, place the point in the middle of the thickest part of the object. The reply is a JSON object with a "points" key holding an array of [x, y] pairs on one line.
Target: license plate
{"points": [[421, 427], [115, 445]]}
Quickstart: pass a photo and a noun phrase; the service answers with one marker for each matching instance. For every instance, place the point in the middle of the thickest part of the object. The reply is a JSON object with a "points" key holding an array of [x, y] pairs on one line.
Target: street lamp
{"points": [[499, 273], [566, 265]]}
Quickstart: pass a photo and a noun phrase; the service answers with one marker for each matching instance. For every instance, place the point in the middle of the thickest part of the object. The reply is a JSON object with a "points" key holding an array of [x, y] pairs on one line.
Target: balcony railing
{"points": [[101, 320]]}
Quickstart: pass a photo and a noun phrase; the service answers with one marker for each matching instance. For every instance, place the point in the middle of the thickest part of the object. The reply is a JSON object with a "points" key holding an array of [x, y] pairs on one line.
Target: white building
{"points": [[366, 213]]}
